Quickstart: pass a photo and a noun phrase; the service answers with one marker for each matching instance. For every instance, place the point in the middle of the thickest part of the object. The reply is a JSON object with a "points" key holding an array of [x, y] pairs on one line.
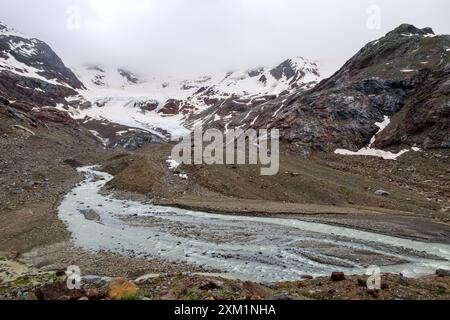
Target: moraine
{"points": [[250, 248]]}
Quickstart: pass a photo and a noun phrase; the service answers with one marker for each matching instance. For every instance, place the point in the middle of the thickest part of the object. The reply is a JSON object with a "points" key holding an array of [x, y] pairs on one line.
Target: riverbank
{"points": [[39, 172], [28, 283]]}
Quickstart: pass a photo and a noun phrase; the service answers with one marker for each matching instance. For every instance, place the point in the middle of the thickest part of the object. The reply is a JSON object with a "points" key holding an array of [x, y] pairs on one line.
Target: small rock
{"points": [[284, 296], [54, 291], [373, 293], [60, 273], [382, 193], [337, 276], [362, 282], [12, 255], [145, 279], [30, 296], [443, 273], [210, 285], [403, 280], [95, 280], [92, 294]]}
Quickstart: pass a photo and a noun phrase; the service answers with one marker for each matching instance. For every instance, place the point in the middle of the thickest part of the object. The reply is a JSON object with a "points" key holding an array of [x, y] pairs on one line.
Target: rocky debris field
{"points": [[36, 170], [21, 282], [417, 185]]}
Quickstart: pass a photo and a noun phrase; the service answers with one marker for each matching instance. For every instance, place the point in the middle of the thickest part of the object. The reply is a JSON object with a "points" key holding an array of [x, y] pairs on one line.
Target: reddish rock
{"points": [[54, 291], [149, 106], [172, 107], [337, 276], [53, 115], [210, 285], [119, 289]]}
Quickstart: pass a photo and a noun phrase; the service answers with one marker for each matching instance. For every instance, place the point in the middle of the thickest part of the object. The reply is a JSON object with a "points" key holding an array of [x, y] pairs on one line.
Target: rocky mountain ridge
{"points": [[402, 77]]}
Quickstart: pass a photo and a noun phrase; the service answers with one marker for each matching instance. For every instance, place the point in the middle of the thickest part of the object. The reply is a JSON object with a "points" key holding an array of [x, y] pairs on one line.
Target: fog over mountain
{"points": [[202, 35]]}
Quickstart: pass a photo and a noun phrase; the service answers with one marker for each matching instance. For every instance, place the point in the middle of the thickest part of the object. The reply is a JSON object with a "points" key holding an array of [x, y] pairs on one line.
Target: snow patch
{"points": [[11, 64], [97, 135], [369, 151], [173, 164]]}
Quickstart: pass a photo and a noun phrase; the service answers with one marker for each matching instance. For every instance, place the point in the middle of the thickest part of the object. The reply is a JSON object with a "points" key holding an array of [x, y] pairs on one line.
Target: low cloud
{"points": [[204, 36]]}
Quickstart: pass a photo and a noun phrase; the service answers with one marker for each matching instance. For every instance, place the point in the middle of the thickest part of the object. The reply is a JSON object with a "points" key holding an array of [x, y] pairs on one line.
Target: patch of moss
{"points": [[345, 191], [23, 281], [447, 58], [133, 297], [441, 292], [226, 293], [430, 41], [439, 98], [194, 295]]}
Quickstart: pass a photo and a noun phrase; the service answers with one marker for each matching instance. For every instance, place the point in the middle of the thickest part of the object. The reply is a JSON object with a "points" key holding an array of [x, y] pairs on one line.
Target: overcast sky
{"points": [[205, 36]]}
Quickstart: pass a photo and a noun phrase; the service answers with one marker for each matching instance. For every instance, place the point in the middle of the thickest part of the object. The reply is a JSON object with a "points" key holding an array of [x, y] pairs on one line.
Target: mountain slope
{"points": [[403, 76], [164, 107], [33, 83], [31, 71]]}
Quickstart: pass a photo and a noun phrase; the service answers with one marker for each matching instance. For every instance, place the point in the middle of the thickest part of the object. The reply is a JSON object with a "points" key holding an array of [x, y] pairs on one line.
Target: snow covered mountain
{"points": [[163, 106], [398, 84], [31, 58], [33, 79], [402, 77]]}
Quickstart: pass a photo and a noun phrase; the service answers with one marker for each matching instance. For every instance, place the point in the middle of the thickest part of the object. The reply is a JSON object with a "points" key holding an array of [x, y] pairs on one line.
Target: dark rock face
{"points": [[284, 69], [408, 29], [115, 135], [16, 87], [147, 106], [37, 54], [337, 276], [33, 82], [443, 273], [172, 107], [129, 76], [404, 75], [31, 72]]}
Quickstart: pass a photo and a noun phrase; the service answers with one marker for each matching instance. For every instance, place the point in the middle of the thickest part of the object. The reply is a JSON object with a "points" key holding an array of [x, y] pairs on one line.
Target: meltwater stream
{"points": [[251, 248]]}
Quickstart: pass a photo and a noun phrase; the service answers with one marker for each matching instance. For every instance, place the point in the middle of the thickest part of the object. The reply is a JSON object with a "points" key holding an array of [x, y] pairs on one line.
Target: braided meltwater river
{"points": [[251, 248]]}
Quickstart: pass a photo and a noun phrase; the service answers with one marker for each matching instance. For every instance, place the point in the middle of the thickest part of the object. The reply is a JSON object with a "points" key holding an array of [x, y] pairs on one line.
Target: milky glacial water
{"points": [[251, 248]]}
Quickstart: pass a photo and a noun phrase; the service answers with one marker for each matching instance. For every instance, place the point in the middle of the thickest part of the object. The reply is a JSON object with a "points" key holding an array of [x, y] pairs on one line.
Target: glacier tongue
{"points": [[161, 105]]}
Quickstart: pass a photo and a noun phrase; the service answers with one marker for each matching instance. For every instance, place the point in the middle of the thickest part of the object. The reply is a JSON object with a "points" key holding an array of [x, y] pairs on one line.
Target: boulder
{"points": [[337, 276], [443, 273], [382, 193], [210, 285], [54, 291], [120, 289]]}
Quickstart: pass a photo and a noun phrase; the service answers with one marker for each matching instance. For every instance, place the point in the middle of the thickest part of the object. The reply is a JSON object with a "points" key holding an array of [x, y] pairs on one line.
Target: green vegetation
{"points": [[133, 297], [345, 191]]}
